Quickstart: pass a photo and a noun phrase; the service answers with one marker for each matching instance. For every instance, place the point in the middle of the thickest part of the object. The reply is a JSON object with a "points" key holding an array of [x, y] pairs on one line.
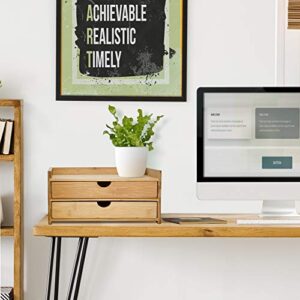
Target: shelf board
{"points": [[10, 102], [7, 231], [8, 157]]}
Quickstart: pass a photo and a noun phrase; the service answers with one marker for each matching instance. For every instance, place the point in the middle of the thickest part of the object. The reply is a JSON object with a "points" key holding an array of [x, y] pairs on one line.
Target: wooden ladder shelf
{"points": [[16, 231]]}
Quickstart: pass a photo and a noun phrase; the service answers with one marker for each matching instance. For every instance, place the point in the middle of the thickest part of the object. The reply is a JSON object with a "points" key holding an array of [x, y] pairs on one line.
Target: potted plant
{"points": [[132, 140]]}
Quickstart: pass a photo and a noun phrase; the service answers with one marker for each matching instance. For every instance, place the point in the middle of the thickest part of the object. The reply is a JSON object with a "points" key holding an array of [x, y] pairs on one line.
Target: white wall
{"points": [[232, 43], [292, 57]]}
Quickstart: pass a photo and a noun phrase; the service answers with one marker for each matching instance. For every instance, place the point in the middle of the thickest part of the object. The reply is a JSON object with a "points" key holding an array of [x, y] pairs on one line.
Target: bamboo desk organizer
{"points": [[16, 231], [99, 194]]}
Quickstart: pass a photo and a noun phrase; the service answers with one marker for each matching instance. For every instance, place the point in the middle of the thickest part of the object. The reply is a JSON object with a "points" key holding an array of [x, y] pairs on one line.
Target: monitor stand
{"points": [[275, 208]]}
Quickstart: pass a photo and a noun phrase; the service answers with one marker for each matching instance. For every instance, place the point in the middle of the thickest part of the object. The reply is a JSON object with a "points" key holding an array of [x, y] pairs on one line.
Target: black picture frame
{"points": [[201, 129], [62, 97]]}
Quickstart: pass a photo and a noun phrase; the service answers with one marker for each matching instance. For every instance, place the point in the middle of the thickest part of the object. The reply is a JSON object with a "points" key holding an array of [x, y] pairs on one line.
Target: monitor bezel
{"points": [[200, 132]]}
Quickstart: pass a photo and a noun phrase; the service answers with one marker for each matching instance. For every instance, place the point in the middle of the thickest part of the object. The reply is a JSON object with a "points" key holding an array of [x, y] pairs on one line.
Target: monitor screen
{"points": [[248, 134]]}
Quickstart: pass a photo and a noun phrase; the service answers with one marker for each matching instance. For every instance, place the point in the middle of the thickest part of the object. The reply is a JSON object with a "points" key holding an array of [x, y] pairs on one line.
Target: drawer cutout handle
{"points": [[104, 184], [104, 204]]}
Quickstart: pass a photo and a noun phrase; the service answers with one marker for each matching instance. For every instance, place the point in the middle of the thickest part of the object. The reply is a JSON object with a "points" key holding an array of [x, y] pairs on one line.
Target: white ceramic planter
{"points": [[131, 161]]}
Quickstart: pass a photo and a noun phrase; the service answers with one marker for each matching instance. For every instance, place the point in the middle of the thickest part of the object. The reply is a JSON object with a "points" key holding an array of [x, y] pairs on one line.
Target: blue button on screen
{"points": [[277, 162]]}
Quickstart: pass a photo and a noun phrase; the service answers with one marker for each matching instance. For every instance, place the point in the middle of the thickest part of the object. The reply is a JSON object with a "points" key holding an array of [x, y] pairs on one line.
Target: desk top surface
{"points": [[166, 229]]}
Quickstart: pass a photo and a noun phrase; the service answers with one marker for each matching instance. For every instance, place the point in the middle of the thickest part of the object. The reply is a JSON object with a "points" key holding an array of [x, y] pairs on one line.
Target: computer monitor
{"points": [[248, 146]]}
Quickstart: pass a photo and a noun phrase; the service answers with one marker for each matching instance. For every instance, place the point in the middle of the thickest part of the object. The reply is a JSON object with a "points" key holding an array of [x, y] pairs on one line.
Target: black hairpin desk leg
{"points": [[54, 260], [57, 268], [77, 271], [53, 241], [78, 268]]}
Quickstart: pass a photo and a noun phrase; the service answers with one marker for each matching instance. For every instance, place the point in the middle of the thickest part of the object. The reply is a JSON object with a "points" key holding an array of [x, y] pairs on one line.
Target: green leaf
{"points": [[127, 123], [112, 109], [150, 146]]}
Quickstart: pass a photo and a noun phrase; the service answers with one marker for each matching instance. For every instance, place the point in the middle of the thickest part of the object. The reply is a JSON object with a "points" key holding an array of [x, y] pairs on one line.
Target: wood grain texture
{"points": [[158, 175], [9, 157], [18, 207], [294, 14], [10, 102], [16, 231], [49, 197], [127, 229], [7, 231], [83, 171], [115, 210], [105, 199], [100, 177], [91, 190]]}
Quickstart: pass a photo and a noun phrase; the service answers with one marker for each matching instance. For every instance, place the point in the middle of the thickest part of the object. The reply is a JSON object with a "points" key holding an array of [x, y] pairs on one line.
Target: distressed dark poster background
{"points": [[143, 57]]}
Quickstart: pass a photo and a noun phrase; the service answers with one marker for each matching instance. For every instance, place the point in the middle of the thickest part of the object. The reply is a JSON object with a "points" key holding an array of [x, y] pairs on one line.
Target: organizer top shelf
{"points": [[96, 174], [100, 177]]}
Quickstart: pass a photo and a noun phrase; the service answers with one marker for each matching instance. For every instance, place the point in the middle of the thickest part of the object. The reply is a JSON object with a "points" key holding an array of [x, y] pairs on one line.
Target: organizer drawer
{"points": [[104, 190], [101, 210]]}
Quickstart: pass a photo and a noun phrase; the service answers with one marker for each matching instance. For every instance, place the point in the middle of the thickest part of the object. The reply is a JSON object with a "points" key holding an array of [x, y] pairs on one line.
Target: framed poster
{"points": [[121, 50]]}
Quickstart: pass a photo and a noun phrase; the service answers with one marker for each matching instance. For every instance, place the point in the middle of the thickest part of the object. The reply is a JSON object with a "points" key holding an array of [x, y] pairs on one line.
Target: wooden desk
{"points": [[126, 229], [84, 231]]}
